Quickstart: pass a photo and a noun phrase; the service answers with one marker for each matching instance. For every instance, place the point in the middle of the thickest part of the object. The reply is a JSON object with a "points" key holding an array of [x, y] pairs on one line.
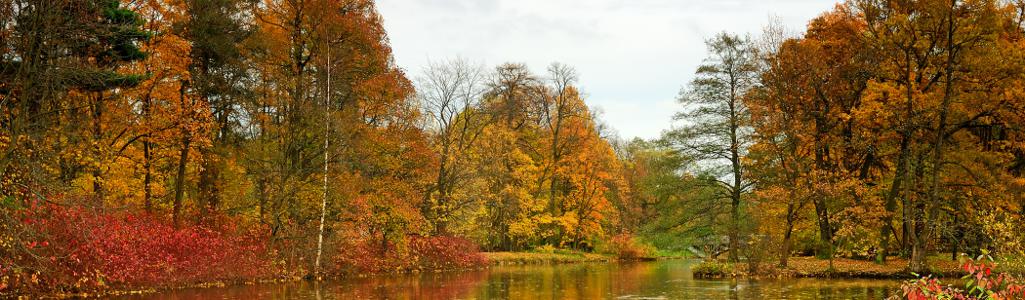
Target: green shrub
{"points": [[713, 269]]}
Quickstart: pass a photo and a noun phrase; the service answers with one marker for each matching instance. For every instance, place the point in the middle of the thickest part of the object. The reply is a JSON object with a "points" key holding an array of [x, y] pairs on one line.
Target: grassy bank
{"points": [[811, 267], [560, 257]]}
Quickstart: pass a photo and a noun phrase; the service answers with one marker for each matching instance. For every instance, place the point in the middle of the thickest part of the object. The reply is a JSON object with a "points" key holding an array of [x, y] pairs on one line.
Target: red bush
{"points": [[79, 249], [980, 283], [413, 253], [444, 252]]}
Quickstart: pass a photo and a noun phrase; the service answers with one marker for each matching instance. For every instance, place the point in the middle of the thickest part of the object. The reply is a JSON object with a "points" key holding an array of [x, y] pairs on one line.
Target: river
{"points": [[665, 279]]}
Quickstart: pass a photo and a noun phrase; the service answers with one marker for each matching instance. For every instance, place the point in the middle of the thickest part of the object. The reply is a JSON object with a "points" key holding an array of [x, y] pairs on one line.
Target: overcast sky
{"points": [[633, 56]]}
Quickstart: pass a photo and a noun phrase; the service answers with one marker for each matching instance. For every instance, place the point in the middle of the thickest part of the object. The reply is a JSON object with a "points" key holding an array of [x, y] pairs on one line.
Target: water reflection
{"points": [[647, 280]]}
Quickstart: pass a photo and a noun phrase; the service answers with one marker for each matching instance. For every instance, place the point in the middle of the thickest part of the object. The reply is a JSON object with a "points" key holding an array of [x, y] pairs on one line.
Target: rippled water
{"points": [[669, 279]]}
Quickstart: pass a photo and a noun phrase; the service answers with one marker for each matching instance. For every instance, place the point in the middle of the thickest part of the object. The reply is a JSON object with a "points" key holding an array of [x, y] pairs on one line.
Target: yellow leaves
{"points": [[1005, 230]]}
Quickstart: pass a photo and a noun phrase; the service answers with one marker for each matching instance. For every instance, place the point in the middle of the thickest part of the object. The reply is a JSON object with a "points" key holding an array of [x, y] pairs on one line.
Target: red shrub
{"points": [[980, 283], [444, 252], [370, 256], [414, 253], [79, 249]]}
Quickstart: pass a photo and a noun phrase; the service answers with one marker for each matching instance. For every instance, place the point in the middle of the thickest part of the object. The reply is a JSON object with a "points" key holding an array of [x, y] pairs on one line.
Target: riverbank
{"points": [[811, 267]]}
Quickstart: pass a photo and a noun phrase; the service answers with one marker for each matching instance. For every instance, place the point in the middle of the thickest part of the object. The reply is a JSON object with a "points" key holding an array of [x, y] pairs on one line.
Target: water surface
{"points": [[668, 279]]}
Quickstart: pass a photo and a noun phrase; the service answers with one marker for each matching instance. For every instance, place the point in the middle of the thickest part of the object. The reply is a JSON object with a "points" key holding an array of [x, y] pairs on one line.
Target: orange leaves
{"points": [[416, 254], [878, 117]]}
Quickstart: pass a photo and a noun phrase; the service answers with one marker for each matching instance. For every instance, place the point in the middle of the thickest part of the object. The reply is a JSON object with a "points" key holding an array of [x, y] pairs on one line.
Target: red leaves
{"points": [[87, 249], [444, 252], [979, 285]]}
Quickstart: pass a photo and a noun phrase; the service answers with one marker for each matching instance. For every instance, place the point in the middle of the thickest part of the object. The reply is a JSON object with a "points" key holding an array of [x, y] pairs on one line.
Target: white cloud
{"points": [[632, 55]]}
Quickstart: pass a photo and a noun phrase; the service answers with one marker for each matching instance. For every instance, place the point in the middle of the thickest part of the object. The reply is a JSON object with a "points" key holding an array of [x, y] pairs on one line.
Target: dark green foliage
{"points": [[678, 209]]}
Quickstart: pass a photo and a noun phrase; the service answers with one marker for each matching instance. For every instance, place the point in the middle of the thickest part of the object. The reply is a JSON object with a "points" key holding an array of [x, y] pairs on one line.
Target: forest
{"points": [[150, 143]]}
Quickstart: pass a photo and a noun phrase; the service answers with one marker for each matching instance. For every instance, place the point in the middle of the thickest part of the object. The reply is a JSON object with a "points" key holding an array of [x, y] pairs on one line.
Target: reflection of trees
{"points": [[443, 285], [669, 279], [574, 281]]}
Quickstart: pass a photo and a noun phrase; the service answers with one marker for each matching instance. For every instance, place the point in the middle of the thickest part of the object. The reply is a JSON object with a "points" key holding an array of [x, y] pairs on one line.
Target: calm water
{"points": [[670, 279]]}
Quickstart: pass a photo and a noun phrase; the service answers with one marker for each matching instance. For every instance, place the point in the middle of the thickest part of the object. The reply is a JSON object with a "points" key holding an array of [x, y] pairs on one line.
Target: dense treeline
{"points": [[886, 128], [283, 133], [174, 142]]}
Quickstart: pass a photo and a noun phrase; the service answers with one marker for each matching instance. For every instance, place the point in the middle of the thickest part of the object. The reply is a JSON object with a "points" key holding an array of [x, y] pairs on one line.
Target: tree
{"points": [[55, 52], [935, 56], [509, 173], [809, 88], [451, 93], [717, 121], [217, 30]]}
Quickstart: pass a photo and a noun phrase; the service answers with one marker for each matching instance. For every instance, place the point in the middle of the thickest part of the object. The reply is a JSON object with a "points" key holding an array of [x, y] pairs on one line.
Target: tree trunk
{"points": [[179, 182], [955, 239], [918, 262], [784, 255], [891, 198], [208, 185], [735, 202], [147, 178], [735, 227], [97, 128], [323, 201], [439, 214], [821, 211]]}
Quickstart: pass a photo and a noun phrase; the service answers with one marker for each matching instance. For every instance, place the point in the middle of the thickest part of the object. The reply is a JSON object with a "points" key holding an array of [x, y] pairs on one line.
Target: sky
{"points": [[632, 56]]}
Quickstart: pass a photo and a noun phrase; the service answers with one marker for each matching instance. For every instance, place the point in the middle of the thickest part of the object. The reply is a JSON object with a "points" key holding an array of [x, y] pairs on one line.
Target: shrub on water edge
{"points": [[980, 283], [77, 249], [413, 253], [444, 252], [714, 269]]}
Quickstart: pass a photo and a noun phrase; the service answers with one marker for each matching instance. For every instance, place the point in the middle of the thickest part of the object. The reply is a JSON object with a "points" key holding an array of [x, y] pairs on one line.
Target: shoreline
{"points": [[810, 267]]}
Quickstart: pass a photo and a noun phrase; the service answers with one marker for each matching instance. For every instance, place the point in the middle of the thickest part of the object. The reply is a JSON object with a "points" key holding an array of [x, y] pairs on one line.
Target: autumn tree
{"points": [[557, 105], [219, 73], [160, 115], [886, 111], [804, 106], [593, 179], [508, 171], [451, 93], [937, 60]]}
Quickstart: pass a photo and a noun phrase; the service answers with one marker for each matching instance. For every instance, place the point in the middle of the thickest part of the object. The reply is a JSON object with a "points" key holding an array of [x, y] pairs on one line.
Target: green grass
{"points": [[661, 253]]}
